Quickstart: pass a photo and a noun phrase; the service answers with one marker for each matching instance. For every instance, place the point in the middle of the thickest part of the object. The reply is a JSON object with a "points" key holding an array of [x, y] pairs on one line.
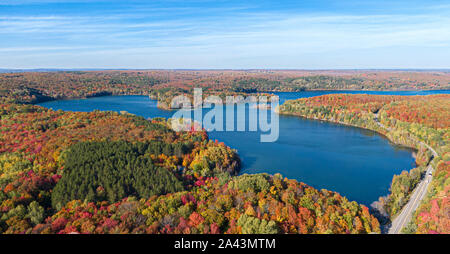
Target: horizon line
{"points": [[4, 70]]}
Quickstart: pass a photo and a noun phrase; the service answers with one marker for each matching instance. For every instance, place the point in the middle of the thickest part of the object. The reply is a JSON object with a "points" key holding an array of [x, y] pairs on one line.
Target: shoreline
{"points": [[391, 142], [101, 94], [351, 125], [414, 140]]}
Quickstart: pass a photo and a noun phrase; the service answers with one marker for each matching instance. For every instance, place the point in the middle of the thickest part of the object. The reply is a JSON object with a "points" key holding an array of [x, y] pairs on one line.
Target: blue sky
{"points": [[200, 34]]}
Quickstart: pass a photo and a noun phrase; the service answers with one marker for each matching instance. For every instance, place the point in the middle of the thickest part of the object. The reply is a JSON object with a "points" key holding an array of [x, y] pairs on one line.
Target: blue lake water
{"points": [[357, 163]]}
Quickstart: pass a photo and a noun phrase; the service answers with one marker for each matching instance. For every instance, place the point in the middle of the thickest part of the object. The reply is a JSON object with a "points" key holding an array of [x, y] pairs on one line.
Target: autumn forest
{"points": [[107, 172]]}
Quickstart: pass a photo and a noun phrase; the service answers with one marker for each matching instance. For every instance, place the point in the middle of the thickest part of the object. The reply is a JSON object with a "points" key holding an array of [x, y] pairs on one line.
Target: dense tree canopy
{"points": [[164, 85], [98, 171]]}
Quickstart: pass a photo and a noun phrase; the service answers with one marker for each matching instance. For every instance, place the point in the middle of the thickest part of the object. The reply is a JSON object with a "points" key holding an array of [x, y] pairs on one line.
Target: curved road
{"points": [[416, 197]]}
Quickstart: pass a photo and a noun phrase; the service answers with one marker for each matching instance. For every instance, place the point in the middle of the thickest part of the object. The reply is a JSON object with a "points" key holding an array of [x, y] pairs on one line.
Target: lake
{"points": [[357, 163]]}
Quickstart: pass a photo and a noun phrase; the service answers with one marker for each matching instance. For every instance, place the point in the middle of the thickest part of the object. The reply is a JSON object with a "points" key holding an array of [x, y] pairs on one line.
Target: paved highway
{"points": [[416, 197], [418, 194]]}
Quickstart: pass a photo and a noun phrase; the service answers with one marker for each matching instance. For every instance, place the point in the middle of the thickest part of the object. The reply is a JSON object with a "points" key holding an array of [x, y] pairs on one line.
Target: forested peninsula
{"points": [[164, 85]]}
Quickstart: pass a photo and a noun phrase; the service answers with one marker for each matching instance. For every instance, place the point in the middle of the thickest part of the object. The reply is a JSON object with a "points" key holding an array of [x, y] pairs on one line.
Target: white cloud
{"points": [[277, 38]]}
